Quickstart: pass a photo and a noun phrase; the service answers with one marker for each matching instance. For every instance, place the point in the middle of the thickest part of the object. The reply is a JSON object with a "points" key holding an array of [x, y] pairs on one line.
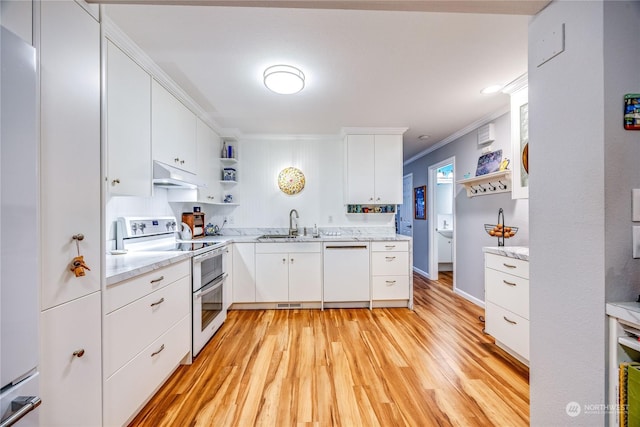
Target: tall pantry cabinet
{"points": [[70, 206]]}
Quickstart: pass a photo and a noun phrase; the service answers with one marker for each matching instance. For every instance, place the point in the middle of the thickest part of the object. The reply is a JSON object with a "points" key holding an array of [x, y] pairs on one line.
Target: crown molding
{"points": [[291, 137], [517, 84], [372, 131], [462, 132], [140, 57]]}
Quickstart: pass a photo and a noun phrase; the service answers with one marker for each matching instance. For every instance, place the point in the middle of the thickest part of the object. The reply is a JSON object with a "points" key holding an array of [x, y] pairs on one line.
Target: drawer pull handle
{"points": [[389, 246], [79, 353], [153, 304], [390, 258], [390, 282], [509, 265], [157, 352], [159, 279], [509, 320], [509, 283]]}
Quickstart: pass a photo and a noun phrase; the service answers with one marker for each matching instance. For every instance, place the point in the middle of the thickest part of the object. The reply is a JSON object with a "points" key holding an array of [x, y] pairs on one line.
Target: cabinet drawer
{"points": [[270, 248], [509, 265], [131, 328], [508, 291], [129, 290], [390, 287], [390, 246], [129, 388], [508, 328], [389, 264]]}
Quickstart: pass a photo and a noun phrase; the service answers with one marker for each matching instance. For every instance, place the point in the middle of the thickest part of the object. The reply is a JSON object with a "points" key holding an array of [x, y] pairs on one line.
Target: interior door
{"points": [[405, 214]]}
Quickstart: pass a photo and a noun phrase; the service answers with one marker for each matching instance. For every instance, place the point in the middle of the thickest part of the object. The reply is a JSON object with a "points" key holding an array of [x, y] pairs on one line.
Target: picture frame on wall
{"points": [[520, 144], [419, 202]]}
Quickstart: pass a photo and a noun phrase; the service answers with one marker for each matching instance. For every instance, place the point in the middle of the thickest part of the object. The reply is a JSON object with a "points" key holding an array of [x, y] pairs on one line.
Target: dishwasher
{"points": [[346, 272]]}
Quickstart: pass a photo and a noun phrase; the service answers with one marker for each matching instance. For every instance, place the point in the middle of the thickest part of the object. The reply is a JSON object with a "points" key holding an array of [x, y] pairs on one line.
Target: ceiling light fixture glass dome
{"points": [[284, 79]]}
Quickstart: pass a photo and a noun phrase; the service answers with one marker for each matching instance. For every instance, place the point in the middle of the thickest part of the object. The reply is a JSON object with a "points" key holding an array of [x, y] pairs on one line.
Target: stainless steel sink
{"points": [[276, 236]]}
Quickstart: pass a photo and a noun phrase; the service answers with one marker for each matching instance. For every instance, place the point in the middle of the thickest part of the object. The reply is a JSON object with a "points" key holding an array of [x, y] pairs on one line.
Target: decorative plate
{"points": [[291, 180]]}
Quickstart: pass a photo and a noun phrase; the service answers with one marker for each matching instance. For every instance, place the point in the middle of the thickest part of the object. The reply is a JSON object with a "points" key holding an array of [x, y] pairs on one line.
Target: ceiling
{"points": [[364, 68]]}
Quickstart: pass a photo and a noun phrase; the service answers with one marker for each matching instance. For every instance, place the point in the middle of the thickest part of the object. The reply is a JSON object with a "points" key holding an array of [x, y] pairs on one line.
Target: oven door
{"points": [[208, 312]]}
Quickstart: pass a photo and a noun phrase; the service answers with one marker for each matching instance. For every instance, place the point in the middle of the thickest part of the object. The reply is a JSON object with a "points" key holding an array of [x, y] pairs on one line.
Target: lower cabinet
{"points": [[244, 272], [147, 333], [507, 303], [70, 363], [288, 272], [390, 270]]}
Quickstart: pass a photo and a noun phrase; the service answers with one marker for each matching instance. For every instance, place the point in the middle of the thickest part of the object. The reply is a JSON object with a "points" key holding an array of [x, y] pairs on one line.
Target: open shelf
{"points": [[228, 160], [491, 183]]}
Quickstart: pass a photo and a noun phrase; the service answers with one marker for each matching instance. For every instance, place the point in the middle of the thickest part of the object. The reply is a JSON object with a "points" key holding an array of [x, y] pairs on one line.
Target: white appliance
{"points": [[159, 234], [346, 271], [19, 241]]}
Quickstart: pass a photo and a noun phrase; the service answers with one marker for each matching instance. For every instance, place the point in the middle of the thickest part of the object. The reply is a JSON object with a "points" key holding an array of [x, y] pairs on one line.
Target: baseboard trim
{"points": [[469, 297], [422, 273]]}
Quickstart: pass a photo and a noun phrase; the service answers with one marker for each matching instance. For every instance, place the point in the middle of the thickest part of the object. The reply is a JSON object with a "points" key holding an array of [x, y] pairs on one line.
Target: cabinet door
{"points": [[272, 277], [305, 277], [359, 169], [69, 150], [128, 125], [70, 363], [444, 248], [244, 272], [388, 169], [227, 298], [208, 144], [173, 130]]}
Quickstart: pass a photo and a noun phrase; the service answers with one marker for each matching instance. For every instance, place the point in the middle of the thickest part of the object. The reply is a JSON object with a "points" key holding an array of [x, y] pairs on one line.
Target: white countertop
{"points": [[126, 266], [518, 252], [627, 311]]}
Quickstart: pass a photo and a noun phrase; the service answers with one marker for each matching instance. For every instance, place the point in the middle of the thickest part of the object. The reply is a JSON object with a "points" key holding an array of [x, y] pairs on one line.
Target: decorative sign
{"points": [[291, 181]]}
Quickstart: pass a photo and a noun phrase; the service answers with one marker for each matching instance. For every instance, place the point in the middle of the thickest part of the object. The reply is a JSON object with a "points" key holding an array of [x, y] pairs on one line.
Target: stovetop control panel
{"points": [[145, 226]]}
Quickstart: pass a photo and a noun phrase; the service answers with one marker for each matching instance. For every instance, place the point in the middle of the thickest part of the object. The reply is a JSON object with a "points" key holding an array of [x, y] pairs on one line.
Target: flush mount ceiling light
{"points": [[424, 137], [284, 79], [491, 89]]}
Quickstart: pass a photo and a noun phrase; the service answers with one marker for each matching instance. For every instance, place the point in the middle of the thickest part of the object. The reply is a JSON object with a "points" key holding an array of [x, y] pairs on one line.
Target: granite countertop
{"points": [[518, 252], [126, 266]]}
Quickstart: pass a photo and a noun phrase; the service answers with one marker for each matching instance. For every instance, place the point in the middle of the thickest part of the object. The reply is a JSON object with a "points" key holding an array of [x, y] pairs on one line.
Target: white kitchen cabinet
{"points": [[173, 130], [70, 363], [70, 180], [208, 147], [507, 303], [288, 272], [147, 326], [445, 249], [244, 272], [227, 297], [373, 169], [128, 125], [390, 270]]}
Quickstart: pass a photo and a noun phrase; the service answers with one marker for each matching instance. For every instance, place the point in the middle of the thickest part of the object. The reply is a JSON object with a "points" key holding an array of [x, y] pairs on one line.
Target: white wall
{"points": [[587, 167], [471, 213]]}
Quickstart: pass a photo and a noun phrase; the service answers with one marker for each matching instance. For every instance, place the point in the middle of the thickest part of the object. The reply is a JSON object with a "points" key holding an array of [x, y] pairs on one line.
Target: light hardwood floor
{"points": [[349, 367]]}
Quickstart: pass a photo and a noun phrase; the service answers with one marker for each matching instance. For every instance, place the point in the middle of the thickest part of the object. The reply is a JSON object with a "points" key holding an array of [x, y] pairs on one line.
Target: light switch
{"points": [[635, 204], [636, 241]]}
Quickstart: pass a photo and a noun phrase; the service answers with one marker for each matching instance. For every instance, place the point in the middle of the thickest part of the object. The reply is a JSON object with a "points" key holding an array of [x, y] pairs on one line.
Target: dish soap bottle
{"points": [[315, 230]]}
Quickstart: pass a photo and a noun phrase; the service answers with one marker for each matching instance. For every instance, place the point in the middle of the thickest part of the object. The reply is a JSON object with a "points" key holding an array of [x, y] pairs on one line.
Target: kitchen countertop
{"points": [[627, 311], [518, 252], [126, 266]]}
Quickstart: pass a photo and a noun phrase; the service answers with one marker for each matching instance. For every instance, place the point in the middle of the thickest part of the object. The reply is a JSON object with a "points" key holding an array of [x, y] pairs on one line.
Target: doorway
{"points": [[441, 198], [405, 215]]}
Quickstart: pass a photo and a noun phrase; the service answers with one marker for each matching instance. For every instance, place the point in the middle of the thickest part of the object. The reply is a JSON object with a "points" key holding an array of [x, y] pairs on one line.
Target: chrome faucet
{"points": [[293, 231]]}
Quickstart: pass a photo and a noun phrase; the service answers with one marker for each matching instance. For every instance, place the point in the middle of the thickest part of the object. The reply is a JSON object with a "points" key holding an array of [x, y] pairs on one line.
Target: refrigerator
{"points": [[19, 231]]}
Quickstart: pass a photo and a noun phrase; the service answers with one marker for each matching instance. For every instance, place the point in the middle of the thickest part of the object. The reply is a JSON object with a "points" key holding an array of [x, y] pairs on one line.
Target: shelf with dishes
{"points": [[371, 209], [491, 183]]}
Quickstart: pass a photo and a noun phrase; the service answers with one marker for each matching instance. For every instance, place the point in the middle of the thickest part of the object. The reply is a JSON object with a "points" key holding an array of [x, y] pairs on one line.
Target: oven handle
{"points": [[209, 254], [210, 288]]}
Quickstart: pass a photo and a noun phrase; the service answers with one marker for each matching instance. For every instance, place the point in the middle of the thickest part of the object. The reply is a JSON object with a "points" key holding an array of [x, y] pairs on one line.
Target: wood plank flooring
{"points": [[349, 367]]}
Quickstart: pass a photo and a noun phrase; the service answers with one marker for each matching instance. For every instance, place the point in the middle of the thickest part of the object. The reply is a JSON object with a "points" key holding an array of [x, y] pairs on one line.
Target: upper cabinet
{"points": [[373, 169], [208, 146], [173, 130], [128, 125]]}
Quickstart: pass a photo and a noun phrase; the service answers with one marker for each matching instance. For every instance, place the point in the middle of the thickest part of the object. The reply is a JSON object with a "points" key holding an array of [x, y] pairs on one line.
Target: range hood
{"points": [[169, 177]]}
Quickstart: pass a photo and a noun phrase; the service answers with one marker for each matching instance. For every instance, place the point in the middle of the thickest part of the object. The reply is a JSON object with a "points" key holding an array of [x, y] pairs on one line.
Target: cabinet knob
{"points": [[182, 162], [370, 199], [176, 160], [284, 260], [79, 353], [292, 260], [378, 199], [115, 181]]}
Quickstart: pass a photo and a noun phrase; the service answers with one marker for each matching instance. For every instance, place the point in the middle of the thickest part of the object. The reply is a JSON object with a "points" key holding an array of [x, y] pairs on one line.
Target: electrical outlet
{"points": [[636, 241], [330, 219], [230, 219]]}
